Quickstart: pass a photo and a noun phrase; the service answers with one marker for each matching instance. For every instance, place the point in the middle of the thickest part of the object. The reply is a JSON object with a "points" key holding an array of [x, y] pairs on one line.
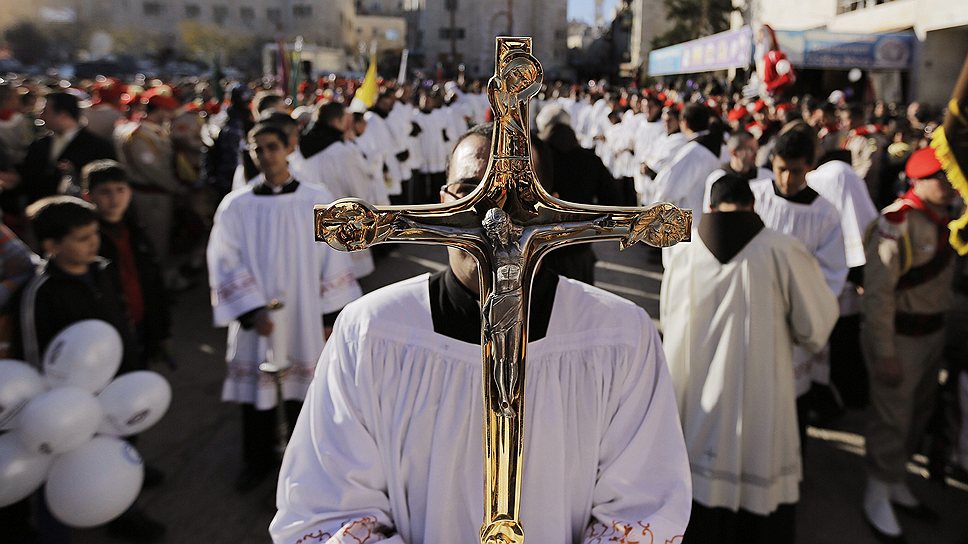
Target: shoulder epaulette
{"points": [[897, 212]]}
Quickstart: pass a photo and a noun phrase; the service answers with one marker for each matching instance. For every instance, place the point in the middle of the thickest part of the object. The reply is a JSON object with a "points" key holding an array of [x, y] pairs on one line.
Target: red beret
{"points": [[759, 106], [923, 163], [160, 97], [737, 113]]}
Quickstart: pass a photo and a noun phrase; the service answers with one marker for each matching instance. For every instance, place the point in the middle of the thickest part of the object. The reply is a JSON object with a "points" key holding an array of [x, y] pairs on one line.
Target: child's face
{"points": [[78, 247], [112, 199]]}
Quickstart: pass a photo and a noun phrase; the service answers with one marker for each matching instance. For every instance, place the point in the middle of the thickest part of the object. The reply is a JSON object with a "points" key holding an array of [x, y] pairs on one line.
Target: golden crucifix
{"points": [[507, 224]]}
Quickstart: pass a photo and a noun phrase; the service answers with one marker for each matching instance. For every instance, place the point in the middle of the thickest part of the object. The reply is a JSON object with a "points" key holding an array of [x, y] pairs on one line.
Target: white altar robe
{"points": [[381, 146], [837, 182], [761, 173], [434, 148], [682, 182], [647, 138], [729, 333], [390, 435], [817, 226], [263, 247]]}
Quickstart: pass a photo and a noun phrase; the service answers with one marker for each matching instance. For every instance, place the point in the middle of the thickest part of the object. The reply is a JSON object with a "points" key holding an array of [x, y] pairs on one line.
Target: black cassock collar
{"points": [[264, 189], [456, 311]]}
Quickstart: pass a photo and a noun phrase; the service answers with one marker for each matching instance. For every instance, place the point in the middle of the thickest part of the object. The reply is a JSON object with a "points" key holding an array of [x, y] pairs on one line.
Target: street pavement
{"points": [[197, 443]]}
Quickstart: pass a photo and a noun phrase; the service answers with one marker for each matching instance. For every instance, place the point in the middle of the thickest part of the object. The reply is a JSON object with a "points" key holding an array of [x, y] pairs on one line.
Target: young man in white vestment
{"points": [[262, 252], [388, 446], [787, 204], [734, 302]]}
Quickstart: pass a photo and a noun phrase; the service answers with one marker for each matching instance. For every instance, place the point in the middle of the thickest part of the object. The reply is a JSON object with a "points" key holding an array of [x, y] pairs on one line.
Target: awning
{"points": [[730, 49], [844, 50]]}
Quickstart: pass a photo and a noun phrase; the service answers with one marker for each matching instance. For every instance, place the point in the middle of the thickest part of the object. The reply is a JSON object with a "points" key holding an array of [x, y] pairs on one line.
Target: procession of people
{"points": [[826, 274]]}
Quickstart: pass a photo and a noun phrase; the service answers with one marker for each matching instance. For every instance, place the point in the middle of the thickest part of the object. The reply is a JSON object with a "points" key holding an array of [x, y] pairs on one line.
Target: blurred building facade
{"points": [[443, 34], [940, 26]]}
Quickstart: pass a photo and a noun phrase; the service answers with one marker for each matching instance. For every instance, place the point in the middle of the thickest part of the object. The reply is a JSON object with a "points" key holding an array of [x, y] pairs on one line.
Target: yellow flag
{"points": [[366, 95]]}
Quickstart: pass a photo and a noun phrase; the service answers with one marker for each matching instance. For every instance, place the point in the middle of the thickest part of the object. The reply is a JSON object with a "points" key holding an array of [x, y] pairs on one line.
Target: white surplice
{"points": [[647, 137], [837, 182], [381, 147], [729, 334], [817, 226], [341, 168], [390, 435], [682, 182], [262, 248], [761, 173]]}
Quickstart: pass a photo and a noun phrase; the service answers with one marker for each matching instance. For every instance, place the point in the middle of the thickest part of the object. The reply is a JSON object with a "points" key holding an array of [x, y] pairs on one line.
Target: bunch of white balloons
{"points": [[64, 426]]}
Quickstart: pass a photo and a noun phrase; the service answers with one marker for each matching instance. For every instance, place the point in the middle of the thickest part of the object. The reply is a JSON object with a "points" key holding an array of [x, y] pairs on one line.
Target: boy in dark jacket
{"points": [[135, 268], [75, 284]]}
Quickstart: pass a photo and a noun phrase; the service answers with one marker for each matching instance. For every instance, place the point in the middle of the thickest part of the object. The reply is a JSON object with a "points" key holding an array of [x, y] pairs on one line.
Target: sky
{"points": [[584, 10]]}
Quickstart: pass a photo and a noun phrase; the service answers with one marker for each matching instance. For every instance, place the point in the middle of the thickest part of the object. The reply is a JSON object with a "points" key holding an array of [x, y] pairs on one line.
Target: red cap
{"points": [[922, 164], [160, 97], [110, 90], [759, 105], [736, 113]]}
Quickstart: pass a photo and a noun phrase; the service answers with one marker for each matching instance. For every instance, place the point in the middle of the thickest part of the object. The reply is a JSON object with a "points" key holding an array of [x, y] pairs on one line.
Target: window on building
{"points": [[274, 15], [193, 11], [445, 33], [220, 14], [247, 14], [302, 11], [153, 9]]}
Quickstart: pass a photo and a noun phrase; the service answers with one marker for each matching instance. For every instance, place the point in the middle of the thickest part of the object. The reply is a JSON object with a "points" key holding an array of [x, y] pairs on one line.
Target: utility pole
{"points": [[451, 6], [510, 17]]}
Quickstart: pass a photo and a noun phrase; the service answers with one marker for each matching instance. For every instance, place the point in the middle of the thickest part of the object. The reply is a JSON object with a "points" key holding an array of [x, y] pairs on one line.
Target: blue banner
{"points": [[721, 51], [844, 50]]}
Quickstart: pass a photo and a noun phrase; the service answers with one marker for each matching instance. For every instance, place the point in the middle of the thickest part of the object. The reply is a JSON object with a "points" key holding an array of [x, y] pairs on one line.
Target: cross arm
{"points": [[659, 225], [351, 224]]}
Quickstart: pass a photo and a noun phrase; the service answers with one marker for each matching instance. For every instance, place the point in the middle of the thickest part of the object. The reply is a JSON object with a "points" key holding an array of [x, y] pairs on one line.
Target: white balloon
{"points": [[133, 402], [95, 483], [59, 420], [854, 75], [19, 382], [783, 67], [86, 354], [21, 472]]}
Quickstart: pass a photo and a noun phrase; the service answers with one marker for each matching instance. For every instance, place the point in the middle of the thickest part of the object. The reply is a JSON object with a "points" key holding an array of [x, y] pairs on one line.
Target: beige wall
{"points": [[942, 54], [544, 20], [648, 21], [389, 33], [328, 23]]}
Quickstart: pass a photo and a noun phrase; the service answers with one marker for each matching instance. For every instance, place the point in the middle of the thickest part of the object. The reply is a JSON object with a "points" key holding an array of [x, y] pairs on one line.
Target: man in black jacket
{"points": [[54, 161]]}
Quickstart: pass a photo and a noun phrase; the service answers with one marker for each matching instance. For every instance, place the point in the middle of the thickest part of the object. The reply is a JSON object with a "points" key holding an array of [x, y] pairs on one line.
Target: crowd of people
{"points": [[798, 299]]}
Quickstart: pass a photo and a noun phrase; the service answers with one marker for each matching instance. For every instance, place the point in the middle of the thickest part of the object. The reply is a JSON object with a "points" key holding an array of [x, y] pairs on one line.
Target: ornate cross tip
{"points": [[662, 225], [348, 224]]}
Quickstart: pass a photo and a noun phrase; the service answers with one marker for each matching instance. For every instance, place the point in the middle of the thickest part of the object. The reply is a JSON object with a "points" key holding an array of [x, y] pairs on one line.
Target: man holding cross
{"points": [[388, 445]]}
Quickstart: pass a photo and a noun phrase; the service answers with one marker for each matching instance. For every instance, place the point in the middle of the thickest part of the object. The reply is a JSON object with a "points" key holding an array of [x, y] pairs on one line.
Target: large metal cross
{"points": [[507, 224]]}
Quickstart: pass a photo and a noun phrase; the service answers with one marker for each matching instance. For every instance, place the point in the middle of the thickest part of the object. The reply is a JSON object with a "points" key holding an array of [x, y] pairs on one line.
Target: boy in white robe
{"points": [[262, 250], [390, 442], [733, 303], [788, 205]]}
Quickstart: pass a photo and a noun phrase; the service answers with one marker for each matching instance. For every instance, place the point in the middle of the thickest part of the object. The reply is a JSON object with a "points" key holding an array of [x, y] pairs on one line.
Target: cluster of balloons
{"points": [[65, 426]]}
